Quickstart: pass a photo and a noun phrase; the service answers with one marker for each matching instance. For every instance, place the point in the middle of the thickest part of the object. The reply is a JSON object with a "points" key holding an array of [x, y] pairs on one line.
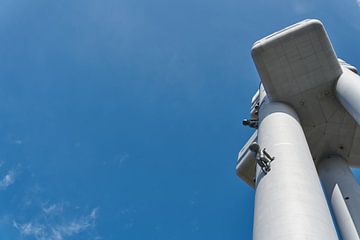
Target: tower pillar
{"points": [[343, 193], [348, 92], [289, 200]]}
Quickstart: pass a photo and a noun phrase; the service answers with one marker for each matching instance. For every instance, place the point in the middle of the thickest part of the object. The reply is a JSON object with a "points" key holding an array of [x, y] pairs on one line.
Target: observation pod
{"points": [[306, 116]]}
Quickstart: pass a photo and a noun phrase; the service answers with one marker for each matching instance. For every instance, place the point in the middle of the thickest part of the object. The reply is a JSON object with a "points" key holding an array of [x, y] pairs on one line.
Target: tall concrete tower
{"points": [[306, 116]]}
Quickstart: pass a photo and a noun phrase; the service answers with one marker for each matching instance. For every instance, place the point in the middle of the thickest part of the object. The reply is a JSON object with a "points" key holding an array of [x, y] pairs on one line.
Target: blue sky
{"points": [[122, 119]]}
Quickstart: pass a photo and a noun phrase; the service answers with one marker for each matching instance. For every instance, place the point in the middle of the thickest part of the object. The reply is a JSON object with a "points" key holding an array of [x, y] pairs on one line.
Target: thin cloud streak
{"points": [[52, 209], [7, 180], [56, 231]]}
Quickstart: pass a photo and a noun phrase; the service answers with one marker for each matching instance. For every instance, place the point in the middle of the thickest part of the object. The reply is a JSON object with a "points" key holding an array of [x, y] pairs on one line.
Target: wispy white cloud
{"points": [[302, 7], [30, 229], [76, 226], [118, 160], [358, 2], [47, 229], [122, 158], [7, 180], [53, 208]]}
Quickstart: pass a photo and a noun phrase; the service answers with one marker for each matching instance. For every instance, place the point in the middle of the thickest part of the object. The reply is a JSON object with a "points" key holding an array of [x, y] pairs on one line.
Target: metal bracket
{"points": [[263, 158], [257, 107], [252, 122]]}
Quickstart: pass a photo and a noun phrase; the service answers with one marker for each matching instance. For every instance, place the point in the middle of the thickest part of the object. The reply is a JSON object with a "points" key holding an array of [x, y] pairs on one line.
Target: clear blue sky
{"points": [[121, 119]]}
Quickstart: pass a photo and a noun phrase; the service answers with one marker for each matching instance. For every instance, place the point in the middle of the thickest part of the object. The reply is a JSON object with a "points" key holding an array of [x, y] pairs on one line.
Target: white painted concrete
{"points": [[289, 200], [342, 215], [348, 92], [341, 188]]}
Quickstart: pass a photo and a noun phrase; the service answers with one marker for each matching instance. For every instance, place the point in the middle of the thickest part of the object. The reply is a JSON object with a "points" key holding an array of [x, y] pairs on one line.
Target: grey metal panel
{"points": [[296, 59], [289, 201], [246, 163], [246, 167], [355, 150]]}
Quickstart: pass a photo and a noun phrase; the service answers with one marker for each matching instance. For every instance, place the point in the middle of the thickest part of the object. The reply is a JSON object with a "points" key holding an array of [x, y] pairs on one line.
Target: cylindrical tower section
{"points": [[348, 92], [343, 193], [289, 200]]}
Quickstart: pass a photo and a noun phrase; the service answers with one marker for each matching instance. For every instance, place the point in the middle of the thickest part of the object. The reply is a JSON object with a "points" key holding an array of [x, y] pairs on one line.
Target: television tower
{"points": [[306, 116]]}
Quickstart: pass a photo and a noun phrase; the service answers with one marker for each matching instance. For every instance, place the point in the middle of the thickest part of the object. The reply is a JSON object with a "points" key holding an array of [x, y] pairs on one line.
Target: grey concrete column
{"points": [[343, 193], [348, 92], [289, 200]]}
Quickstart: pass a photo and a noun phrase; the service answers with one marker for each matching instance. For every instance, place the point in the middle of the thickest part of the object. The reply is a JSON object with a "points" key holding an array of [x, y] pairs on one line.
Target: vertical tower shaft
{"points": [[289, 201], [343, 193], [348, 92]]}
